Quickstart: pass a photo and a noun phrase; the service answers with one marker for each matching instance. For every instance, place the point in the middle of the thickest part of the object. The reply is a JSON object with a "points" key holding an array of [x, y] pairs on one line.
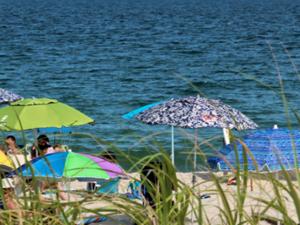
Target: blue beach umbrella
{"points": [[70, 165], [135, 112], [270, 149], [62, 130]]}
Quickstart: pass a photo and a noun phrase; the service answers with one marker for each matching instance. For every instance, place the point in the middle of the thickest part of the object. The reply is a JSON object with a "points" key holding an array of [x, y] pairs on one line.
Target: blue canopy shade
{"points": [[271, 149], [135, 112], [63, 130]]}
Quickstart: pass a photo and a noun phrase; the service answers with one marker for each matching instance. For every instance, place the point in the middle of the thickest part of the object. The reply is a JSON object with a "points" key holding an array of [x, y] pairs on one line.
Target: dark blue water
{"points": [[107, 57]]}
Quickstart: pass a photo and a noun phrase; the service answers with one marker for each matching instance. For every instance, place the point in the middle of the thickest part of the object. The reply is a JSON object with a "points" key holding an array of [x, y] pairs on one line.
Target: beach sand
{"points": [[261, 188], [211, 206]]}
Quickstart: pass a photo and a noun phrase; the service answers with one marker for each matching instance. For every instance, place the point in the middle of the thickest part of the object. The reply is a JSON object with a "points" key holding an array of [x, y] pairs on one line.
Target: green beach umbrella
{"points": [[35, 113]]}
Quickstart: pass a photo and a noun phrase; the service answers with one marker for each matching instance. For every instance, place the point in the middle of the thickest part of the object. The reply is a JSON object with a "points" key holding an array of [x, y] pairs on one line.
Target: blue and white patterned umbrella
{"points": [[196, 112], [7, 96], [270, 148]]}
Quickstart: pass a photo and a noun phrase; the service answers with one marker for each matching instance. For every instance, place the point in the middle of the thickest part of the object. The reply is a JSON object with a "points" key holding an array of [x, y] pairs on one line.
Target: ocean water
{"points": [[108, 57]]}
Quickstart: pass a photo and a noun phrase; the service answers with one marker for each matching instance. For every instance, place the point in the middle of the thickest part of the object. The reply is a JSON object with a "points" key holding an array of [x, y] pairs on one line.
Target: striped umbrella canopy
{"points": [[269, 150], [8, 96], [196, 112], [70, 165]]}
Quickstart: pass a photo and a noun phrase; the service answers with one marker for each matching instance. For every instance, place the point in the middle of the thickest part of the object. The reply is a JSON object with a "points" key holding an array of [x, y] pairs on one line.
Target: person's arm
{"points": [[33, 152], [62, 195], [11, 203]]}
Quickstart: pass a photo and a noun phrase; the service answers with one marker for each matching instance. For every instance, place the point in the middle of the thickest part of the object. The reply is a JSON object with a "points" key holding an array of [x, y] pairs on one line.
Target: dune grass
{"points": [[177, 202]]}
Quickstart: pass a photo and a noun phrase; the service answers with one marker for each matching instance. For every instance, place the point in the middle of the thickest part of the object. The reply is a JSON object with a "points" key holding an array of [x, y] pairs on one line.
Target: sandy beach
{"points": [[259, 187], [262, 189]]}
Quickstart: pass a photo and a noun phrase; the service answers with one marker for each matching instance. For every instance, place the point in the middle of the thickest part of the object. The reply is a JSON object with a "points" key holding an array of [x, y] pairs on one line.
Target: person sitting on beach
{"points": [[11, 144], [8, 198], [153, 176], [8, 201], [43, 147], [16, 158], [150, 183], [57, 187]]}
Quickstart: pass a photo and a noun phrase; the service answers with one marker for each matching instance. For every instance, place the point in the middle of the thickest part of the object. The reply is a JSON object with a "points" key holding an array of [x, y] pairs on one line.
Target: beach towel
{"points": [[134, 189], [90, 220]]}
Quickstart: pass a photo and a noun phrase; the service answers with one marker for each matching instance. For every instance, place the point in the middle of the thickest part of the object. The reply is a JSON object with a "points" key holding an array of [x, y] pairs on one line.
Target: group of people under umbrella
{"points": [[30, 114], [270, 148], [44, 161]]}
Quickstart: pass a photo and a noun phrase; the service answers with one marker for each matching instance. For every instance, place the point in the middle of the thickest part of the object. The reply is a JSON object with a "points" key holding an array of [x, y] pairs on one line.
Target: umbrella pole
{"points": [[195, 157], [172, 138], [277, 178], [194, 167], [22, 130], [35, 135], [226, 134]]}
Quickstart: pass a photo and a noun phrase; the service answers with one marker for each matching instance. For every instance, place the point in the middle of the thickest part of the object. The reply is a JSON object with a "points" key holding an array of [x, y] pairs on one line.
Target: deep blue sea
{"points": [[108, 57]]}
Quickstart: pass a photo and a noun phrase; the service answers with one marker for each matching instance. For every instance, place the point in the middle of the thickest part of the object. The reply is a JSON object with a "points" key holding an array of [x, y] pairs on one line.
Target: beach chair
{"points": [[212, 163], [66, 148], [27, 148], [108, 187], [105, 187]]}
